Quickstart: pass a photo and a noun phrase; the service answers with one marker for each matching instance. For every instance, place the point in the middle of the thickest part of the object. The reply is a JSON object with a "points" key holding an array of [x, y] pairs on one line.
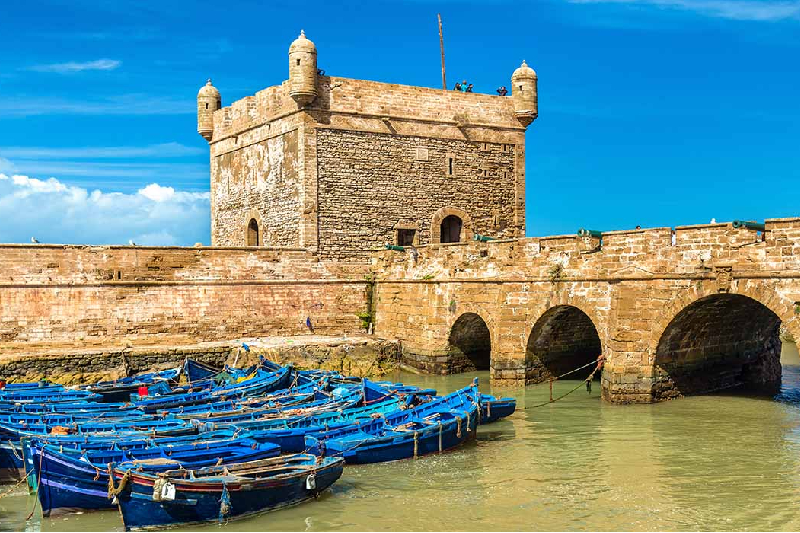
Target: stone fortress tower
{"points": [[342, 167]]}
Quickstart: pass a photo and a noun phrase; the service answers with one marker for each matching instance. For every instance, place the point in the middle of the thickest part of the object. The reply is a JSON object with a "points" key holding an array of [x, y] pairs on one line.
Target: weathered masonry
{"points": [[675, 312], [53, 295], [342, 167]]}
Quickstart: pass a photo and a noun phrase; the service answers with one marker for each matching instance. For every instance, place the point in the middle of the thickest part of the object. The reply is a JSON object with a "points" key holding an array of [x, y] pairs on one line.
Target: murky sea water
{"points": [[722, 462]]}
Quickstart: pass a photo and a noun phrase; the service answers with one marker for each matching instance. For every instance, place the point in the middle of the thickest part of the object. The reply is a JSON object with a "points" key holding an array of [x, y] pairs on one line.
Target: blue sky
{"points": [[652, 112]]}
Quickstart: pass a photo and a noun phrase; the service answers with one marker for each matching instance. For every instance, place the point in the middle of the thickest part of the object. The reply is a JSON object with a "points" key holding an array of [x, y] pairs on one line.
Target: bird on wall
{"points": [[34, 241], [131, 243]]}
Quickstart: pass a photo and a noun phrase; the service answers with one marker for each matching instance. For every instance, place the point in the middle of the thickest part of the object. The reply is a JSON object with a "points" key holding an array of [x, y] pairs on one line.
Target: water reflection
{"points": [[703, 463]]}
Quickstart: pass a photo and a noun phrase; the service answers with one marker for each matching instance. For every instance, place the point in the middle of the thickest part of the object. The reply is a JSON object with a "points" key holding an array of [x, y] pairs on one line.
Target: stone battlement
{"points": [[368, 99], [621, 254], [57, 264]]}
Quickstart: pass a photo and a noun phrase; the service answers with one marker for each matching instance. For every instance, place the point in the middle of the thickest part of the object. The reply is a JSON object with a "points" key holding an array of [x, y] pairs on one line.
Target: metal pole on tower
{"points": [[441, 45]]}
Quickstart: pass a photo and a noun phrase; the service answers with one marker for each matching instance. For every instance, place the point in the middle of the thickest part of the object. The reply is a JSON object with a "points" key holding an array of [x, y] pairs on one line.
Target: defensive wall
{"points": [[80, 307], [675, 312]]}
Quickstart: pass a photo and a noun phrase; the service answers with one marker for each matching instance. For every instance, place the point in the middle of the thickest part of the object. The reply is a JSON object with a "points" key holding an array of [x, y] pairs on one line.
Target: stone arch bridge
{"points": [[675, 311]]}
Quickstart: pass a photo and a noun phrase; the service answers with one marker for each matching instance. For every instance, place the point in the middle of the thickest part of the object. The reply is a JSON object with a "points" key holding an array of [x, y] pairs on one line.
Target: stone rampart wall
{"points": [[631, 284], [84, 296]]}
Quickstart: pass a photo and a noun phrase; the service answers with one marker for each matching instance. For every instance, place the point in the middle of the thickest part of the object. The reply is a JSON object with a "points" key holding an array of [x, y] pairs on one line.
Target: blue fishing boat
{"points": [[120, 390], [11, 434], [11, 460], [290, 433], [259, 384], [436, 426], [76, 408], [71, 480], [339, 399], [151, 425], [109, 441], [196, 371], [219, 494], [49, 394], [220, 407], [494, 408], [252, 407]]}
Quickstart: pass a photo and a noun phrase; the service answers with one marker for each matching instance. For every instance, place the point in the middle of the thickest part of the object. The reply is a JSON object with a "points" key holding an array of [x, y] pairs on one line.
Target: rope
{"points": [[440, 437], [416, 444], [14, 486], [113, 490], [38, 484], [14, 450], [587, 380], [224, 503], [575, 370]]}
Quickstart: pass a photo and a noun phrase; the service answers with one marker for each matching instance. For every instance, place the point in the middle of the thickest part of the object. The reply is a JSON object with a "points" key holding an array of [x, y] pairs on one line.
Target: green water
{"points": [[721, 462]]}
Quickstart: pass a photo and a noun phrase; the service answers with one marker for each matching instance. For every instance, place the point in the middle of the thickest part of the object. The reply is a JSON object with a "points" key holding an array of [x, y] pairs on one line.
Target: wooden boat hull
{"points": [[493, 409], [11, 460], [434, 426], [201, 501], [66, 486], [67, 483], [364, 448]]}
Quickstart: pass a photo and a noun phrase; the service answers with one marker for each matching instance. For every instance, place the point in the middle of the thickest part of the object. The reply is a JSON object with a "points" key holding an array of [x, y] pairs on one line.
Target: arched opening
{"points": [[253, 238], [563, 339], [720, 342], [470, 344], [450, 229]]}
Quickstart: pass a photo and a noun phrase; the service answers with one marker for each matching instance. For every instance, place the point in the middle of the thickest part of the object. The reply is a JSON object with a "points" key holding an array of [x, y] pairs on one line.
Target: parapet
{"points": [[369, 99], [684, 251]]}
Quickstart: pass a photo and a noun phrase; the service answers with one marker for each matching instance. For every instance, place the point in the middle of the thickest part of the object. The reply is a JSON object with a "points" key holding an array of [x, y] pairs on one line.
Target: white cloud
{"points": [[171, 149], [157, 193], [91, 169], [52, 211], [126, 104], [752, 10], [72, 67]]}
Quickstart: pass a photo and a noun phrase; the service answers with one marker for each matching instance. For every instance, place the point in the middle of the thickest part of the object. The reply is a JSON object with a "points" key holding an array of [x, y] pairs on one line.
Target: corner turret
{"points": [[303, 70], [525, 95], [208, 101]]}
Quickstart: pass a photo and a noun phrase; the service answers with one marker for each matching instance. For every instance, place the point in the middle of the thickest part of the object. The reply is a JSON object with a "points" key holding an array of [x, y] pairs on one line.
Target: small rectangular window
{"points": [[449, 166], [298, 61], [405, 237]]}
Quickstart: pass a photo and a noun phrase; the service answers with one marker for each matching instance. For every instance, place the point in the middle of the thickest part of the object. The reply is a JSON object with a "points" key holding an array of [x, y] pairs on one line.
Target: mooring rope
{"points": [[590, 363], [14, 486], [14, 450], [587, 380], [38, 485]]}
